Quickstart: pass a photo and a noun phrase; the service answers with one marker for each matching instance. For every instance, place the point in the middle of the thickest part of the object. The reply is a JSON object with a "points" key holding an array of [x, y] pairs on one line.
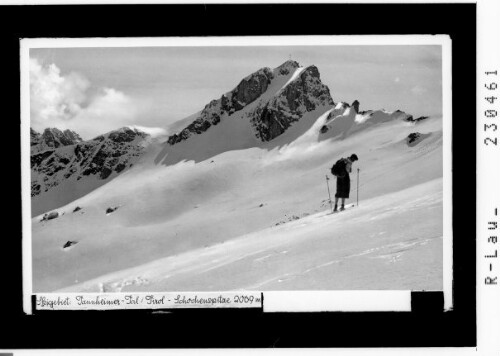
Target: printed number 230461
{"points": [[490, 128]]}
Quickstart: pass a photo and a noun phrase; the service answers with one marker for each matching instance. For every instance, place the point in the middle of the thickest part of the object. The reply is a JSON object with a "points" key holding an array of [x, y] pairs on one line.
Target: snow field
{"points": [[390, 243], [173, 214]]}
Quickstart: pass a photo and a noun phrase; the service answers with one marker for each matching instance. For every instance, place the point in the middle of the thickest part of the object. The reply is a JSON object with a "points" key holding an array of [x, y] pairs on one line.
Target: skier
{"points": [[341, 170]]}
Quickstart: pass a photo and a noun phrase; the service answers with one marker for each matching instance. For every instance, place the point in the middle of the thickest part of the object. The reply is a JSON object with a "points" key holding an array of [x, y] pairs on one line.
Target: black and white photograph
{"points": [[278, 164], [247, 177]]}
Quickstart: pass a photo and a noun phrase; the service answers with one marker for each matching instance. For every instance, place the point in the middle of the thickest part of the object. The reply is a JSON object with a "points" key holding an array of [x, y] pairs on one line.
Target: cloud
{"points": [[55, 96], [152, 131], [418, 90], [70, 102]]}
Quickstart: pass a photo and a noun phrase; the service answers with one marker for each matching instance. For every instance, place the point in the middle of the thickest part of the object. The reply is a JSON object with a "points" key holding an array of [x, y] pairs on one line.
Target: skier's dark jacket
{"points": [[344, 181]]}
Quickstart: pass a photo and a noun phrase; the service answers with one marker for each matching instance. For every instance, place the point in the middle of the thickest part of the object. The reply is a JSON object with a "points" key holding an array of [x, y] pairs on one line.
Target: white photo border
{"points": [[353, 300]]}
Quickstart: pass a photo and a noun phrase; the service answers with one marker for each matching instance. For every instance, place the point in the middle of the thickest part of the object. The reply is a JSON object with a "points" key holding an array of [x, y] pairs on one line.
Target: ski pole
{"points": [[357, 190], [329, 196]]}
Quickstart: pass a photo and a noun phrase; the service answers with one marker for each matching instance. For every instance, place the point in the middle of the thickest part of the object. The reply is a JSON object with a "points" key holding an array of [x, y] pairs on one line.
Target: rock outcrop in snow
{"points": [[52, 138], [50, 216], [355, 106], [99, 157], [411, 119], [415, 138], [69, 244]]}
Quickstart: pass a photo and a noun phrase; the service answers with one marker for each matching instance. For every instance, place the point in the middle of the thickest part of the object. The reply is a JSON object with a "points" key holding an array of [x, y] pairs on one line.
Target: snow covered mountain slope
{"points": [[223, 201], [389, 242], [70, 170]]}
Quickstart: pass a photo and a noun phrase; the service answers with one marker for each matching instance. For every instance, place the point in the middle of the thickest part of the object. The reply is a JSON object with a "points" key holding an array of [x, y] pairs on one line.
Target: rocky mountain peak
{"points": [[52, 138], [287, 67], [303, 92], [306, 90]]}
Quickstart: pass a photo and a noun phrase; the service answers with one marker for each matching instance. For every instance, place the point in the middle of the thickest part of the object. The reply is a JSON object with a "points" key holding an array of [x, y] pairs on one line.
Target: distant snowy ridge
{"points": [[269, 102], [346, 119]]}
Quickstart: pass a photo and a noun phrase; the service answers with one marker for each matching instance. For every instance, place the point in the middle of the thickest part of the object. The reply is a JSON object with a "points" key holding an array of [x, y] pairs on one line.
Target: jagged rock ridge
{"points": [[52, 138], [99, 157]]}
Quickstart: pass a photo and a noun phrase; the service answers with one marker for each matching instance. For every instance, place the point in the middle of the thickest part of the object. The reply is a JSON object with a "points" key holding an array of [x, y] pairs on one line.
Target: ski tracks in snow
{"points": [[390, 253], [285, 254]]}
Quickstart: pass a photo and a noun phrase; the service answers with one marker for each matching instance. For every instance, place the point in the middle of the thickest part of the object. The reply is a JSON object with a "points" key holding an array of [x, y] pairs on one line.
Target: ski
{"points": [[347, 206]]}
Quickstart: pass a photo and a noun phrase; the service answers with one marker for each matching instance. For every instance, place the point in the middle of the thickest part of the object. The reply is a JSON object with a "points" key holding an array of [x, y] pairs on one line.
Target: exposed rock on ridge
{"points": [[346, 119], [100, 157], [52, 138], [302, 95]]}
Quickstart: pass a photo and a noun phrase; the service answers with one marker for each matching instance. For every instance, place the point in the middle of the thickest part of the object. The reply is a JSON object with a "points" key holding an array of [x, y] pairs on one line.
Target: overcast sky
{"points": [[95, 90]]}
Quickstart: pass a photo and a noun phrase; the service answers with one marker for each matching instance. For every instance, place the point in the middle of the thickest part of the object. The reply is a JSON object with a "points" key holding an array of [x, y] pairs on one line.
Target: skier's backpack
{"points": [[338, 169]]}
